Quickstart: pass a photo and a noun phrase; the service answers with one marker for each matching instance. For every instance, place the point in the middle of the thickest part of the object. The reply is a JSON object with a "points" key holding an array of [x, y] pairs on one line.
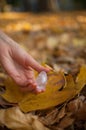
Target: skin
{"points": [[18, 64]]}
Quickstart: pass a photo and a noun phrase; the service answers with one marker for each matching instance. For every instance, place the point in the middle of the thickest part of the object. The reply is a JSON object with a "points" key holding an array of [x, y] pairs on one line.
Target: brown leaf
{"points": [[13, 118], [61, 114], [65, 122], [78, 108], [50, 118]]}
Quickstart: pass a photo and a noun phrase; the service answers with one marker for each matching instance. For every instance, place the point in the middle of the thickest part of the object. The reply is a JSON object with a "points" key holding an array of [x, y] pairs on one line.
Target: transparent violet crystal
{"points": [[41, 81]]}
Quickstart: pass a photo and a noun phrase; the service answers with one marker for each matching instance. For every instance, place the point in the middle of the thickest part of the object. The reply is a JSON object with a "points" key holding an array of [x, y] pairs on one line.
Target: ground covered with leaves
{"points": [[59, 40]]}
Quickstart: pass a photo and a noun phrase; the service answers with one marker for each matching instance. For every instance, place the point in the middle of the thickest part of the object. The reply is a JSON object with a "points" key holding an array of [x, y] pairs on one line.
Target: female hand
{"points": [[18, 63]]}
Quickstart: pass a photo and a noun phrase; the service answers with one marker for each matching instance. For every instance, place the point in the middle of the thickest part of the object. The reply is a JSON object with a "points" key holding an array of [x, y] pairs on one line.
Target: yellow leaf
{"points": [[12, 94], [59, 89], [43, 101], [51, 97], [55, 97], [81, 79]]}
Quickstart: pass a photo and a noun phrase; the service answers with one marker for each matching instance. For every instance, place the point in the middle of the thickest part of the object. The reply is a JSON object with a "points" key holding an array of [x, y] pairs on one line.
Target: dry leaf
{"points": [[58, 90], [13, 118], [4, 103], [65, 122], [2, 78], [50, 118], [12, 93], [81, 113], [78, 108], [51, 97], [81, 79], [61, 114]]}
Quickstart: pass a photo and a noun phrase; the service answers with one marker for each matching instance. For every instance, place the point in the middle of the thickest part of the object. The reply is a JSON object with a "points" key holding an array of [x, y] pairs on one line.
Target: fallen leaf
{"points": [[2, 78], [12, 93], [4, 103], [50, 117], [51, 97], [61, 114], [81, 79], [14, 119], [65, 122], [47, 99], [78, 108], [59, 89]]}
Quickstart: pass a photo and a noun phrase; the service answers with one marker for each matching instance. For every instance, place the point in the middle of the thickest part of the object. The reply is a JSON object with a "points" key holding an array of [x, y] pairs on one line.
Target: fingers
{"points": [[16, 55], [31, 87], [34, 64], [10, 68], [26, 60], [26, 84]]}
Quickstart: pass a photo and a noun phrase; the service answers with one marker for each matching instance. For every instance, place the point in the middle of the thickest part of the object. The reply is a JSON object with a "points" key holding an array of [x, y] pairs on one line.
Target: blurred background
{"points": [[52, 31], [42, 5]]}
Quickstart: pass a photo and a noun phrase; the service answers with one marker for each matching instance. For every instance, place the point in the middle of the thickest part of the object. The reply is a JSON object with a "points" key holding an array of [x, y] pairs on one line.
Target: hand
{"points": [[18, 63]]}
